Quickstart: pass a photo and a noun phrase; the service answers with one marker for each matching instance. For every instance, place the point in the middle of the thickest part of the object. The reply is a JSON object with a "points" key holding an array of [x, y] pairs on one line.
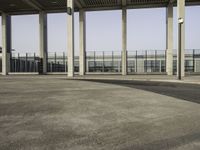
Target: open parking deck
{"points": [[42, 8], [54, 112]]}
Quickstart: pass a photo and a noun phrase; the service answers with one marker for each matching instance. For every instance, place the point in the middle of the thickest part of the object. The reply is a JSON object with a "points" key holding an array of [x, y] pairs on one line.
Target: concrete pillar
{"points": [[70, 37], [124, 41], [82, 53], [43, 40], [169, 38], [6, 43], [181, 39]]}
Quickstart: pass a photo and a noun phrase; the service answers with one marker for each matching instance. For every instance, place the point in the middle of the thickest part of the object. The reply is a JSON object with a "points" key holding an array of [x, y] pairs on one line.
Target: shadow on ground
{"points": [[169, 143], [188, 92]]}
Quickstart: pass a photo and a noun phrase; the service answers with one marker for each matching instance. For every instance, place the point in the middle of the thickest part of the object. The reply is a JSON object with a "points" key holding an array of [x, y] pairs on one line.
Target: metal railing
{"points": [[57, 62], [103, 61], [146, 61], [149, 61], [24, 62]]}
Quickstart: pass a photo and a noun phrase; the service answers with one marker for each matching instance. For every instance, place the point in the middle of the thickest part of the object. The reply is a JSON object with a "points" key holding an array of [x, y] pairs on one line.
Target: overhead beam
{"points": [[100, 8], [172, 1], [80, 3], [34, 4], [77, 3], [63, 10]]}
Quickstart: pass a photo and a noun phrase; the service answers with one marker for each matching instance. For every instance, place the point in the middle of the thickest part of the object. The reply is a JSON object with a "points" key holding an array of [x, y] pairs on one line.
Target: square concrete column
{"points": [[6, 43], [169, 39], [181, 39], [82, 44], [124, 41], [70, 37], [43, 41]]}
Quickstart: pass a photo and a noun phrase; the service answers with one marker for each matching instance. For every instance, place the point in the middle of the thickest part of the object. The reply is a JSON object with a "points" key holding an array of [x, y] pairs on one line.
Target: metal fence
{"points": [[103, 61], [192, 61], [146, 61], [149, 61], [57, 62], [24, 62]]}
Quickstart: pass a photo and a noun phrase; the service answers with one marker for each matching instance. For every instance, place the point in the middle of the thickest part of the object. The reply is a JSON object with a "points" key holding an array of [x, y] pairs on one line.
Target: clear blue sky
{"points": [[146, 30]]}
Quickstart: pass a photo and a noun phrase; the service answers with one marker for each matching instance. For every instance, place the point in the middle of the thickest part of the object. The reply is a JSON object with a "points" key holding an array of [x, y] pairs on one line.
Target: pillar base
{"points": [[6, 64], [169, 62], [124, 63]]}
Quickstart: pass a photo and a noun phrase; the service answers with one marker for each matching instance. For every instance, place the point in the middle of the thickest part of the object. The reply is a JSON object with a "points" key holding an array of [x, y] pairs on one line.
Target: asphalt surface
{"points": [[189, 92], [53, 112]]}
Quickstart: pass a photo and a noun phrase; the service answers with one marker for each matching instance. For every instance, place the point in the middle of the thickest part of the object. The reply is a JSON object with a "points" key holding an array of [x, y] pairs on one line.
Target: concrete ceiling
{"points": [[34, 6]]}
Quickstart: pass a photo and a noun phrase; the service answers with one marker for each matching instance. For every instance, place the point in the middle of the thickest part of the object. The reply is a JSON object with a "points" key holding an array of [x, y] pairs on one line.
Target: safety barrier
{"points": [[148, 61]]}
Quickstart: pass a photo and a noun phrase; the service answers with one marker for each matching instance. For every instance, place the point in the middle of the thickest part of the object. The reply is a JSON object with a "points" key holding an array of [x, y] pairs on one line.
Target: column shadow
{"points": [[188, 92]]}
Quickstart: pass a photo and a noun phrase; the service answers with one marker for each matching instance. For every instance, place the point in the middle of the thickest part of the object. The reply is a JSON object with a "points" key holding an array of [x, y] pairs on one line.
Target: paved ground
{"points": [[53, 112], [192, 79]]}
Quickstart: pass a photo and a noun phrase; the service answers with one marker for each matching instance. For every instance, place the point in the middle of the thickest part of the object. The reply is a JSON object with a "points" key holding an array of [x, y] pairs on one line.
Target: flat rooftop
{"points": [[34, 6]]}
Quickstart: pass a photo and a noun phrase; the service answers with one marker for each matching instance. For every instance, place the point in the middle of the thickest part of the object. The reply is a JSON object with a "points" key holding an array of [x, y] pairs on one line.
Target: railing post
{"points": [[165, 57], [113, 62], [86, 62], [155, 61], [136, 61], [19, 67], [193, 60], [55, 61], [51, 66], [133, 67], [11, 62], [26, 66], [64, 64], [15, 64], [103, 63], [58, 70], [146, 61], [34, 62], [94, 62]]}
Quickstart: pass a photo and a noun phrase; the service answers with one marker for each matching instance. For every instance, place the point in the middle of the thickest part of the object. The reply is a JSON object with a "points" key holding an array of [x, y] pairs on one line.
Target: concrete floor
{"points": [[192, 79], [53, 112]]}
